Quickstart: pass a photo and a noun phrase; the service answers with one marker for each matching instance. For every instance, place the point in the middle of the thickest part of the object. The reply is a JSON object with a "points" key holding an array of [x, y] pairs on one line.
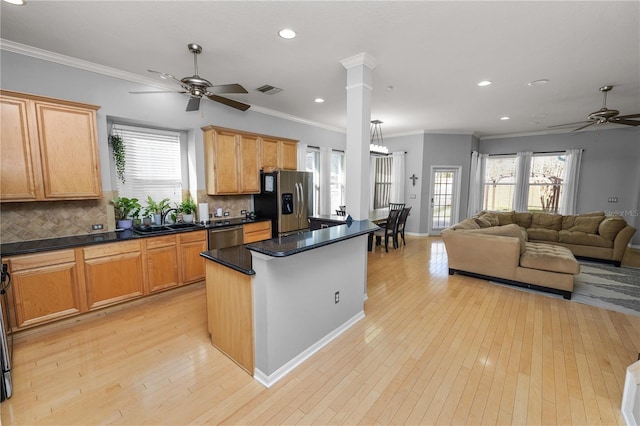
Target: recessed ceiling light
{"points": [[287, 33], [484, 83], [538, 82], [318, 100], [16, 2], [505, 118]]}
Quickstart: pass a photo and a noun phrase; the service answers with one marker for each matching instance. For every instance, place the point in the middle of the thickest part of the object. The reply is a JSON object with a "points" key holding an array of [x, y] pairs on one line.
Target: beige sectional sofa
{"points": [[589, 235], [534, 250]]}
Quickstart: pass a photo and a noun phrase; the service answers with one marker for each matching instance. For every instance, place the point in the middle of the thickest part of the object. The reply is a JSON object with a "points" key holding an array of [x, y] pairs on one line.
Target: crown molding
{"points": [[34, 52]]}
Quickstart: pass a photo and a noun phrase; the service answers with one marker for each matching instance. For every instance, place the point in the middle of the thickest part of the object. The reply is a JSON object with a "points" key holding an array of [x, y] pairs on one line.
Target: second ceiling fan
{"points": [[198, 87]]}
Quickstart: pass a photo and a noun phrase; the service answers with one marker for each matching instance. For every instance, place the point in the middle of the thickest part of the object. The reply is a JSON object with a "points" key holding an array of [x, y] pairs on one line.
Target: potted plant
{"points": [[187, 208], [156, 209], [118, 149], [126, 209]]}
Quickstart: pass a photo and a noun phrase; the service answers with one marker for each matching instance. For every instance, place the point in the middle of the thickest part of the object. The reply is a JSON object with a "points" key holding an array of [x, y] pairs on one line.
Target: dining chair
{"points": [[341, 212], [388, 231], [402, 220], [396, 206]]}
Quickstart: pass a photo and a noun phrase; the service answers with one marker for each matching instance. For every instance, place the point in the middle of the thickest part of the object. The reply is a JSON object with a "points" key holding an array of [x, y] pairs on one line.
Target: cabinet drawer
{"points": [[29, 261], [111, 249], [257, 226], [189, 237], [163, 241]]}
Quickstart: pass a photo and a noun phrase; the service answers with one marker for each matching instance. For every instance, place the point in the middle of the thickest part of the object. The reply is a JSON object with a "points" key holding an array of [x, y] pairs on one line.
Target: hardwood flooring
{"points": [[432, 349]]}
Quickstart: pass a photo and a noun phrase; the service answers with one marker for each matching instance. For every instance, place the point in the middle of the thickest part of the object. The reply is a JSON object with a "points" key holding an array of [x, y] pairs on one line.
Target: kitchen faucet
{"points": [[164, 214]]}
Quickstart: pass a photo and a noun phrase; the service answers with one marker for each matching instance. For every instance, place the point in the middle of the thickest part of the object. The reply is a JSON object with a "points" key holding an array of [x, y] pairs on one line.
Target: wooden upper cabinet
{"points": [[279, 154], [249, 167], [270, 154], [289, 155], [49, 149]]}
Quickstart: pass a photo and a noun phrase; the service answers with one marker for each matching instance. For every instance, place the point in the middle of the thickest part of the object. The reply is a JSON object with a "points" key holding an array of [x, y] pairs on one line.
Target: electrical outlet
{"points": [[337, 296], [97, 226], [613, 199]]}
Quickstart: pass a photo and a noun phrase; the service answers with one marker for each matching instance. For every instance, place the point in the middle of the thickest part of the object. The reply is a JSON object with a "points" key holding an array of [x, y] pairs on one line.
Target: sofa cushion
{"points": [[610, 227], [584, 239], [542, 234], [512, 230], [523, 219], [505, 218], [568, 221], [548, 257], [491, 218], [483, 223], [546, 221], [588, 224], [466, 224]]}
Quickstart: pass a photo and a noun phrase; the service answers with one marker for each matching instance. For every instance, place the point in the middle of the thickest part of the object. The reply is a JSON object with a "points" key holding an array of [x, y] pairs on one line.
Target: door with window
{"points": [[445, 197]]}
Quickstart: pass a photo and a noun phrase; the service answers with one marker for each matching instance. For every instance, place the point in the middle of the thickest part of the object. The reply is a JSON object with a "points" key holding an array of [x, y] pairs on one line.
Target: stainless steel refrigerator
{"points": [[286, 197]]}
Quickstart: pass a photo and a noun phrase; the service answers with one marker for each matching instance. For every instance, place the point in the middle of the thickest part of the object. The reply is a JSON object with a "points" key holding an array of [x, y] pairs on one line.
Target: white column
{"points": [[359, 87]]}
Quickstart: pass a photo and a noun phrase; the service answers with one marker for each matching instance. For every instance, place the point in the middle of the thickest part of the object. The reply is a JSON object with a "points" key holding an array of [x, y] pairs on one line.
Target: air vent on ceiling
{"points": [[268, 89]]}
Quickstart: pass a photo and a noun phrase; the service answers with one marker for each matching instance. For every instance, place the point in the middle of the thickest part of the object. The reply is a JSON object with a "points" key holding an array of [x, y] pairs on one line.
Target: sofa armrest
{"points": [[621, 242], [490, 255]]}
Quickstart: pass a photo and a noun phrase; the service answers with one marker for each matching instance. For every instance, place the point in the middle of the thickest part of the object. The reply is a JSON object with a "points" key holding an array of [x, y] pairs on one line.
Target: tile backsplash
{"points": [[51, 219]]}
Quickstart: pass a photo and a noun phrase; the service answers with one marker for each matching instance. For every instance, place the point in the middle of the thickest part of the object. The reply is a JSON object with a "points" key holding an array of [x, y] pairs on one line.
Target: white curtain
{"points": [[397, 178], [476, 183], [324, 205], [372, 181], [569, 196], [521, 190], [302, 156]]}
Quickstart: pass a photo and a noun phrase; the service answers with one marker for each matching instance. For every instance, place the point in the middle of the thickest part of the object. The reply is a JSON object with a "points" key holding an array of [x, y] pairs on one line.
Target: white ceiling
{"points": [[432, 54]]}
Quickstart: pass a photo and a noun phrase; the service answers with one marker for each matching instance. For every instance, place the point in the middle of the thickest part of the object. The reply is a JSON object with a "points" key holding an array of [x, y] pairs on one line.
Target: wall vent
{"points": [[269, 89]]}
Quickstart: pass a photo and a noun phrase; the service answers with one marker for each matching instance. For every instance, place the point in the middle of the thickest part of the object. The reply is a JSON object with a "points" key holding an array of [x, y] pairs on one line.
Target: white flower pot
{"points": [[125, 224], [187, 218]]}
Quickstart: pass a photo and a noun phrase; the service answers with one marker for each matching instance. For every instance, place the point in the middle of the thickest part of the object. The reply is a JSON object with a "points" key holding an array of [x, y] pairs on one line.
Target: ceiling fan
{"points": [[604, 115], [198, 87]]}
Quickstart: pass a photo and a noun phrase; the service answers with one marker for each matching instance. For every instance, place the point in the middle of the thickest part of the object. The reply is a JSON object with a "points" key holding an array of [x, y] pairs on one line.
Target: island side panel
{"points": [[230, 313], [294, 299]]}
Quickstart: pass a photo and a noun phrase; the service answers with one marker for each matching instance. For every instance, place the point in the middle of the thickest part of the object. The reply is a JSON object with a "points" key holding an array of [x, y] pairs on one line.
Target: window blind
{"points": [[152, 164]]}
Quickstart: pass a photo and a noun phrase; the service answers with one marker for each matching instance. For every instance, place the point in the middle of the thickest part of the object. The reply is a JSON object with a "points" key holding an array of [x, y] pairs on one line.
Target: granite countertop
{"points": [[48, 244], [239, 257], [298, 243]]}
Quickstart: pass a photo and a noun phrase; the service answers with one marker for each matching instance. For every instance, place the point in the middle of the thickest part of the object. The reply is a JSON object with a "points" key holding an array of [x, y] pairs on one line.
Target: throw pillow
{"points": [[610, 226], [587, 224], [483, 223], [505, 218], [466, 224], [491, 218]]}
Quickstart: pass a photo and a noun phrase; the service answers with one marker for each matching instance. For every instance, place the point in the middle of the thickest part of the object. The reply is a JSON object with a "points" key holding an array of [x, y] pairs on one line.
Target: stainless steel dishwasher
{"points": [[225, 237]]}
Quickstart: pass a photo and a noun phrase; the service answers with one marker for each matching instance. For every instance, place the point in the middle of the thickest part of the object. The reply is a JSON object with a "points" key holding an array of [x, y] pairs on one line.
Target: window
{"points": [[382, 184], [337, 180], [499, 183], [545, 183], [153, 164], [312, 164]]}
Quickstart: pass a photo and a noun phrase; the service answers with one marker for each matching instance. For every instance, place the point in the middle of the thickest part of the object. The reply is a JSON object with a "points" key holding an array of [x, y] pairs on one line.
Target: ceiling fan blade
{"points": [[229, 88], [156, 91], [568, 124], [584, 127], [628, 116], [622, 120], [166, 76], [193, 104], [228, 102]]}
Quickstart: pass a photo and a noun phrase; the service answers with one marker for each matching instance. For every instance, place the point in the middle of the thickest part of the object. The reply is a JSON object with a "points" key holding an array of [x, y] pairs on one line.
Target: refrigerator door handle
{"points": [[298, 202]]}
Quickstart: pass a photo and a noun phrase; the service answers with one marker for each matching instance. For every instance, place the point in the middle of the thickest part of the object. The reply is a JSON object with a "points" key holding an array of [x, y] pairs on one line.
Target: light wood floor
{"points": [[432, 349]]}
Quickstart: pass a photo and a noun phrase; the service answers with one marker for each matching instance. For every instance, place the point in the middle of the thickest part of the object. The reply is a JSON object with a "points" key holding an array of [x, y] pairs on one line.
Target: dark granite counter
{"points": [[297, 243], [237, 257], [48, 244]]}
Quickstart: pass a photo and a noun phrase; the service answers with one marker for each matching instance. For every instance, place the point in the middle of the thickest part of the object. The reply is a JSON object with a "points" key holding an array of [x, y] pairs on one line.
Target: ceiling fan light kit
{"points": [[199, 87], [603, 115]]}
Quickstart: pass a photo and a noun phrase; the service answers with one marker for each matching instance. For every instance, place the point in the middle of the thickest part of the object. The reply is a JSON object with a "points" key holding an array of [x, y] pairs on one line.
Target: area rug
{"points": [[609, 287]]}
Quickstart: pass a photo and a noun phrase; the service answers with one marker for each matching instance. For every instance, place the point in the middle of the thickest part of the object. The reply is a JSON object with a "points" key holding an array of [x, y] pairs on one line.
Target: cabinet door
{"points": [[113, 273], [191, 245], [269, 154], [249, 165], [289, 155], [162, 263], [18, 171], [68, 149], [45, 287], [257, 231]]}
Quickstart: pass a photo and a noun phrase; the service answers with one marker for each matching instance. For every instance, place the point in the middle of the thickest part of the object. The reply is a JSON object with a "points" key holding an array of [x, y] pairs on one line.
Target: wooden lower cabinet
{"points": [[113, 273], [256, 231], [45, 287], [162, 262], [190, 245]]}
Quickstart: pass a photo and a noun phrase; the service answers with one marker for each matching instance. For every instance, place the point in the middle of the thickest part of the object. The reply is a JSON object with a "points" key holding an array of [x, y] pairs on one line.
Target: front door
{"points": [[445, 197]]}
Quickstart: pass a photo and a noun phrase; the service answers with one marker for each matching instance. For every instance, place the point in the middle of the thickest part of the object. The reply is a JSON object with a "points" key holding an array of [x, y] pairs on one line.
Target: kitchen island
{"points": [[274, 303]]}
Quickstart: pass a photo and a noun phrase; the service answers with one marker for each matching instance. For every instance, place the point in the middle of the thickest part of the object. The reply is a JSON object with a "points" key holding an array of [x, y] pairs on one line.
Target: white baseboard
{"points": [[269, 380]]}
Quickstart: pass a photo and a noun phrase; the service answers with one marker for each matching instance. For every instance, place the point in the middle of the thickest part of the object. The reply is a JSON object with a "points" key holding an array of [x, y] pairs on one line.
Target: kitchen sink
{"points": [[157, 229]]}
